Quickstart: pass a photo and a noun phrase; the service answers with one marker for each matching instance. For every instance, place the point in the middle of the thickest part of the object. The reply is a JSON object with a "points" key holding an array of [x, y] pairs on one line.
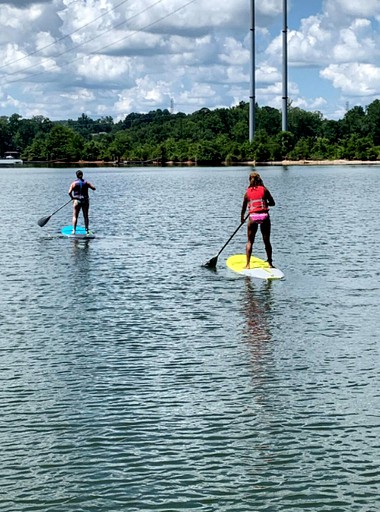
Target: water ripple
{"points": [[133, 379]]}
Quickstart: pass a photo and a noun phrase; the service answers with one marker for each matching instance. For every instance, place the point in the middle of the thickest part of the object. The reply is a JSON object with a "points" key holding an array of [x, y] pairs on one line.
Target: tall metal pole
{"points": [[252, 92], [285, 67]]}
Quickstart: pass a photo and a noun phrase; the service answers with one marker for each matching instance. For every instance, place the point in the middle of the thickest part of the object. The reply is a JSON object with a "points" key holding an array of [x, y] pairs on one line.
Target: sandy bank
{"points": [[319, 162]]}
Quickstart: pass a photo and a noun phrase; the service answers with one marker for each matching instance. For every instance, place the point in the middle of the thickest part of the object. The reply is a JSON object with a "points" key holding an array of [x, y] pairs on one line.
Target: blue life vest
{"points": [[80, 190]]}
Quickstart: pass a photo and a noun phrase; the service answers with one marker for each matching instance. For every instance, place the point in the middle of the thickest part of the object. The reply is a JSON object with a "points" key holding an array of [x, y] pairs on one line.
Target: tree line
{"points": [[203, 137]]}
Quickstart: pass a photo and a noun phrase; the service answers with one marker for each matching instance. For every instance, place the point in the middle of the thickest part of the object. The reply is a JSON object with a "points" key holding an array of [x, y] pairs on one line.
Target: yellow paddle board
{"points": [[258, 268]]}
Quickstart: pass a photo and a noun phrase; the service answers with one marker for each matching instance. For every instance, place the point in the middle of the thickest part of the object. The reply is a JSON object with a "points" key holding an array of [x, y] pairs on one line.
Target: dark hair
{"points": [[255, 179], [79, 174]]}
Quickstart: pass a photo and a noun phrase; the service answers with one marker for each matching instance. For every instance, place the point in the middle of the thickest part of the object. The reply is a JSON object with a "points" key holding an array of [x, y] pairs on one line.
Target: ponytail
{"points": [[255, 179]]}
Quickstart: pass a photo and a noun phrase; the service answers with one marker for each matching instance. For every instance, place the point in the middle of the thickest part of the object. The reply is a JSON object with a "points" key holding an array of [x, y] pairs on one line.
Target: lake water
{"points": [[134, 379]]}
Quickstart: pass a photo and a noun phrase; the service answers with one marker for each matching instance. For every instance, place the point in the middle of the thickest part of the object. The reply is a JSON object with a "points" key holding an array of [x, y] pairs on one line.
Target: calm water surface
{"points": [[134, 379]]}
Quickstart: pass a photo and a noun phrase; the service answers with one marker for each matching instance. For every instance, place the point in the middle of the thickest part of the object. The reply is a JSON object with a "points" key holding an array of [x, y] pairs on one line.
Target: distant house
{"points": [[12, 154], [11, 158], [97, 135]]}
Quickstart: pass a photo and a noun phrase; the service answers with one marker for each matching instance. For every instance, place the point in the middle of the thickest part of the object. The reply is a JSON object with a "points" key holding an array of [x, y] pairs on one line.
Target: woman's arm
{"points": [[269, 198], [243, 208]]}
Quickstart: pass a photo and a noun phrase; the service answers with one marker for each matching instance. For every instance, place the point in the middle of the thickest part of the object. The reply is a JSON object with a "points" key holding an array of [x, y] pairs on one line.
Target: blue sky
{"points": [[62, 58]]}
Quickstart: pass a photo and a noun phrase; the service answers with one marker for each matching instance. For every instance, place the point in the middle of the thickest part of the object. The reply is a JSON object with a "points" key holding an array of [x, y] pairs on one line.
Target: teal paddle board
{"points": [[80, 233]]}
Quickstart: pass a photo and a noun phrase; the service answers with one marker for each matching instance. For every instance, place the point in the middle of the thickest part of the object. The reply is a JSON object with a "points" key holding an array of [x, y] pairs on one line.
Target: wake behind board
{"points": [[259, 268], [80, 233]]}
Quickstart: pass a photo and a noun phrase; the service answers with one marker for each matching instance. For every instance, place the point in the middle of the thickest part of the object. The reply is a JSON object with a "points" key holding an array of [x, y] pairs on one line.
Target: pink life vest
{"points": [[256, 200]]}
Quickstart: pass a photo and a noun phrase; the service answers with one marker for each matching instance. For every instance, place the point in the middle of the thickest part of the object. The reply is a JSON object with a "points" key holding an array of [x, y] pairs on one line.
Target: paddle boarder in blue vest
{"points": [[78, 192], [258, 199]]}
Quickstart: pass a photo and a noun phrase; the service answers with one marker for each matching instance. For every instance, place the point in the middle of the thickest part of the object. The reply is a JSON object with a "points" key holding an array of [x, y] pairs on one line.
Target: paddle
{"points": [[45, 220], [212, 263]]}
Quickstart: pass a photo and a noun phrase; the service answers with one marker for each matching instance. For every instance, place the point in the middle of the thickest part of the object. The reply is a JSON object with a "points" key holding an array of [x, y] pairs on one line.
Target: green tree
{"points": [[302, 149], [321, 149], [63, 143], [358, 148], [118, 146], [354, 122], [205, 152], [285, 140], [302, 123], [373, 121], [239, 131], [268, 119], [5, 136], [331, 130], [36, 151], [84, 125]]}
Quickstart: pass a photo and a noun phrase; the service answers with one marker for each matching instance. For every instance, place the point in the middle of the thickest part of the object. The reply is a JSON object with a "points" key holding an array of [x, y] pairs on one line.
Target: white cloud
{"points": [[267, 74], [44, 43], [337, 10], [101, 69], [309, 103], [271, 94], [81, 95], [355, 43], [354, 79], [318, 43], [233, 52], [199, 96], [310, 45], [113, 57], [146, 92]]}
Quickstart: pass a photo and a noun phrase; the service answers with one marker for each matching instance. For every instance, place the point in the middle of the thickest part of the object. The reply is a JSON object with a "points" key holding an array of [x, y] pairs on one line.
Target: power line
{"points": [[63, 37], [99, 35], [145, 27], [88, 41]]}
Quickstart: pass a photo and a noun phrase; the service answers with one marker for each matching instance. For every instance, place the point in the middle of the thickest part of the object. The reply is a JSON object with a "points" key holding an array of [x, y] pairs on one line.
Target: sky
{"points": [[64, 58]]}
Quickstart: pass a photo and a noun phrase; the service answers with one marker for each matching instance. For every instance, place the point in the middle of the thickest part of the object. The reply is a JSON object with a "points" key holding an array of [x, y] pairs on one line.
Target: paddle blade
{"points": [[211, 263], [43, 221]]}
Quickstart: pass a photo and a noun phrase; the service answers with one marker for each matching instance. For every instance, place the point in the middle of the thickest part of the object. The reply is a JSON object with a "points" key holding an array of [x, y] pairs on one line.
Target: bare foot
{"points": [[247, 267], [270, 264]]}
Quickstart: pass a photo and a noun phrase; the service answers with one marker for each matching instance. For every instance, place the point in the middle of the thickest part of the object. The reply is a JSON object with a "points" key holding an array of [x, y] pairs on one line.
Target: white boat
{"points": [[10, 160]]}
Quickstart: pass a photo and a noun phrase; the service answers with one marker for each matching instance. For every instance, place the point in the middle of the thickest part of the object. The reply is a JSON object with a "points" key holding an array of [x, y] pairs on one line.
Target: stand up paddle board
{"points": [[259, 268], [80, 233]]}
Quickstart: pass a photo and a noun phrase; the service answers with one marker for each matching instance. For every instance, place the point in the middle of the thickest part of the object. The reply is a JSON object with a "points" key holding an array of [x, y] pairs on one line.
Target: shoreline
{"points": [[319, 162], [254, 163]]}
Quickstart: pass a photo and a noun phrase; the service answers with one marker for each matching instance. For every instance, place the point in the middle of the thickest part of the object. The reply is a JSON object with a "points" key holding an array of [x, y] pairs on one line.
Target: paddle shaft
{"points": [[233, 234], [45, 220], [60, 208]]}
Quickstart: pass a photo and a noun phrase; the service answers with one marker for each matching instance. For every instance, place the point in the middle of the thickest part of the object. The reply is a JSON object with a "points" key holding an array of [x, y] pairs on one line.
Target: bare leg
{"points": [[85, 209], [76, 210], [251, 233], [265, 232]]}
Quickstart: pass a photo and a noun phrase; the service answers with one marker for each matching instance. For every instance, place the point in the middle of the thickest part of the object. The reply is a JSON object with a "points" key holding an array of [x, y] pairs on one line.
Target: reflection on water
{"points": [[257, 308], [134, 379]]}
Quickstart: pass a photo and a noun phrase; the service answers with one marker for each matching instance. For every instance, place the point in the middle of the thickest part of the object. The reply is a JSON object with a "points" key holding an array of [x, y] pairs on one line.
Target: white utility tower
{"points": [[252, 93], [284, 65]]}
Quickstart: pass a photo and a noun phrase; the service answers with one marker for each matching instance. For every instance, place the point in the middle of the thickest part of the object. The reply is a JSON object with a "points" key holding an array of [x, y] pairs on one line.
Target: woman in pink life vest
{"points": [[258, 199]]}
